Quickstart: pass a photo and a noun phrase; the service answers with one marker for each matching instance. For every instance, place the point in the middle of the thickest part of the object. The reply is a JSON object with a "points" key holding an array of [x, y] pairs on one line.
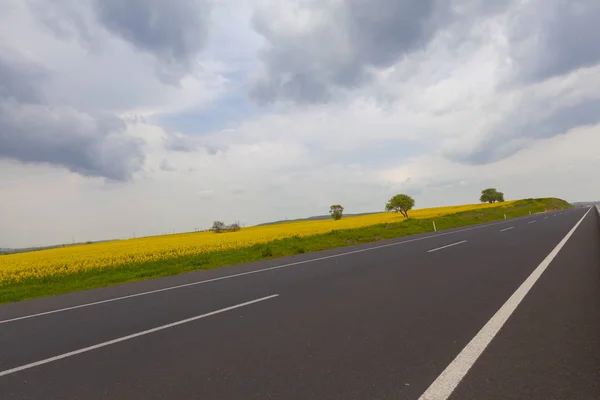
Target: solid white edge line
{"points": [[94, 303], [507, 229], [449, 379], [445, 247], [128, 337]]}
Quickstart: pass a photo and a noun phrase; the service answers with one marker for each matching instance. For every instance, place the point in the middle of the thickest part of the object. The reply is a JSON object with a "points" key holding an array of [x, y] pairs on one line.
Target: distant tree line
{"points": [[403, 203], [400, 203], [220, 227]]}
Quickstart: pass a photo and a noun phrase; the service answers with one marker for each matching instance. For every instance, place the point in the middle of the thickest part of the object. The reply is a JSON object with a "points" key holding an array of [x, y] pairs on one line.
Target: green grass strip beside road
{"points": [[39, 287]]}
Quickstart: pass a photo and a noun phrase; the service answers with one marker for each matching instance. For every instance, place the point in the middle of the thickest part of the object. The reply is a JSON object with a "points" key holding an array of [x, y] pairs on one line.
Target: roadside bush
{"points": [[267, 251]]}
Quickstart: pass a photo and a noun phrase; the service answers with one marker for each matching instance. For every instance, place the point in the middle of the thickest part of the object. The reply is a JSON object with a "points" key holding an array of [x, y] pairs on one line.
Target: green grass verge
{"points": [[39, 287]]}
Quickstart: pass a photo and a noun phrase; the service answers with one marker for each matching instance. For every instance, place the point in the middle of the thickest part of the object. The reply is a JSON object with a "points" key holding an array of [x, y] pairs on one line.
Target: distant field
{"points": [[70, 259], [61, 270]]}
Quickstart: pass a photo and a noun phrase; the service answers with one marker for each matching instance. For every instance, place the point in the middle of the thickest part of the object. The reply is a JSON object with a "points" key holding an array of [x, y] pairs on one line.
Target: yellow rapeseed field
{"points": [[70, 259]]}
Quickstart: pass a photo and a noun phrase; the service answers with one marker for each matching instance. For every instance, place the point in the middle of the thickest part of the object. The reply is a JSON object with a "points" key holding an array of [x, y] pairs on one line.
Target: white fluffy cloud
{"points": [[142, 118]]}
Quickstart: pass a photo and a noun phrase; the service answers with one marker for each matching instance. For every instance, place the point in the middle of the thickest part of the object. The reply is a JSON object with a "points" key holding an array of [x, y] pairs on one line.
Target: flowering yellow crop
{"points": [[71, 259]]}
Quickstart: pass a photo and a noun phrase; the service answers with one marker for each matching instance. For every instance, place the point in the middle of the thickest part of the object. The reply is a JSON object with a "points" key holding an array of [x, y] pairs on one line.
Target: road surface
{"points": [[508, 310]]}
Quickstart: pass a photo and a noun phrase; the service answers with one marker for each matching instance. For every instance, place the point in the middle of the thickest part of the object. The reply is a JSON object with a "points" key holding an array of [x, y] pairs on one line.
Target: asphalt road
{"points": [[495, 311]]}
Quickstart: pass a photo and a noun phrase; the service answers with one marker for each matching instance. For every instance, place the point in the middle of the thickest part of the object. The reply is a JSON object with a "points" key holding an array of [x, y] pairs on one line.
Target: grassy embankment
{"points": [[63, 283]]}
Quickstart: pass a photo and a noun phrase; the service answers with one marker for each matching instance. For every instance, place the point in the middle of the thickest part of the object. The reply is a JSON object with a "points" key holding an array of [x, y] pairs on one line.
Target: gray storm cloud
{"points": [[34, 130]]}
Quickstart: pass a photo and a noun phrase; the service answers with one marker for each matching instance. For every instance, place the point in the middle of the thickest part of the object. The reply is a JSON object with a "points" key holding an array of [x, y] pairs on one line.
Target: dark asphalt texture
{"points": [[380, 324], [550, 348]]}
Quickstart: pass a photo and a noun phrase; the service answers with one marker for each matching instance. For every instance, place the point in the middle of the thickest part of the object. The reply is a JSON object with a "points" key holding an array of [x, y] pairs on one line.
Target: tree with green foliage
{"points": [[336, 211], [491, 196], [401, 203]]}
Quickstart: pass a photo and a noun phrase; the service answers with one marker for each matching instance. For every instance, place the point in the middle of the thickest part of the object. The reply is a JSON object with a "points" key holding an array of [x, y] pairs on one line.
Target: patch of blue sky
{"points": [[224, 113]]}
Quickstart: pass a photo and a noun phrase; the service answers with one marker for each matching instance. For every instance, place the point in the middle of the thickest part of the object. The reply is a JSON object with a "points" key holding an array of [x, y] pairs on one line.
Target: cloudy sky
{"points": [[150, 116]]}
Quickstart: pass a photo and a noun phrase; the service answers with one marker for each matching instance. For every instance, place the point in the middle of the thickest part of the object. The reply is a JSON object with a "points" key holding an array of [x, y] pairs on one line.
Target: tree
{"points": [[401, 203], [218, 226], [234, 227], [336, 211], [491, 196]]}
